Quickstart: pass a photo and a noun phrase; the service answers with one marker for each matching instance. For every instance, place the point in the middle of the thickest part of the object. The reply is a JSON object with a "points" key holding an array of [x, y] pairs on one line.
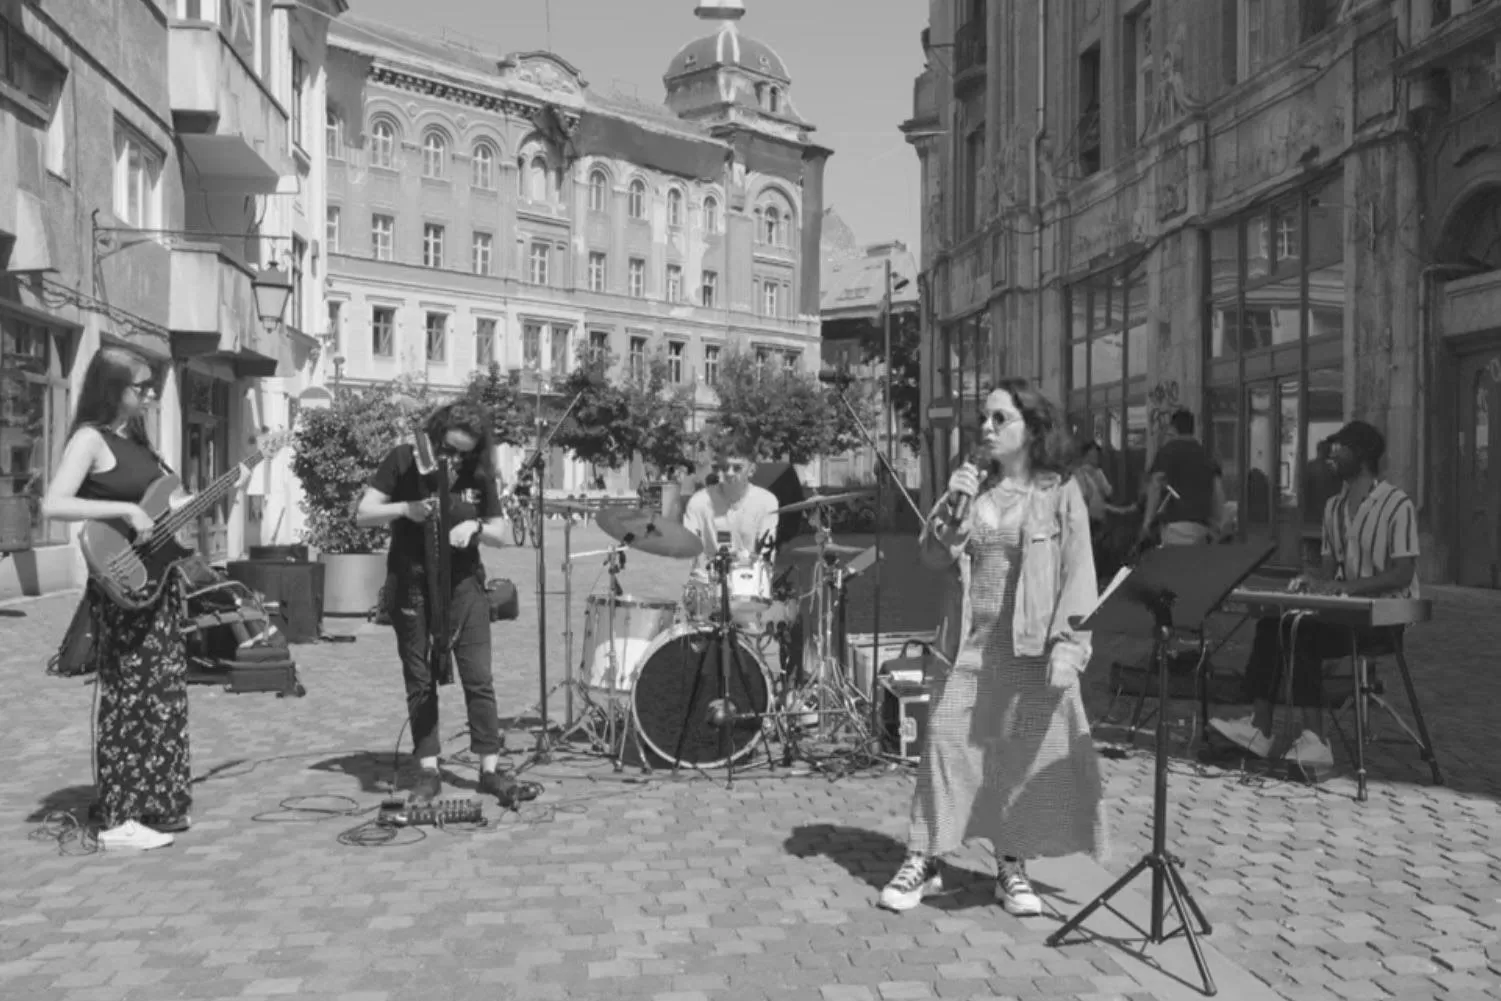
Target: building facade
{"points": [[1251, 208], [151, 168], [496, 210]]}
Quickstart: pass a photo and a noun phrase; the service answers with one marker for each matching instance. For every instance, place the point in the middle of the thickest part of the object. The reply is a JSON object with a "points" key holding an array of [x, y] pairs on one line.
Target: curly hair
{"points": [[473, 421], [1050, 448]]}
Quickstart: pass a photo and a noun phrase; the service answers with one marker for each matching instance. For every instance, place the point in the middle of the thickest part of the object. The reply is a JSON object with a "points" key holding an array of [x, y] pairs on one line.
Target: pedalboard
{"points": [[439, 813]]}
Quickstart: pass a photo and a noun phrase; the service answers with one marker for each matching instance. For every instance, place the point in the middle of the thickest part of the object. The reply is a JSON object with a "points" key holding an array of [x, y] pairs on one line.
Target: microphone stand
{"points": [[883, 467]]}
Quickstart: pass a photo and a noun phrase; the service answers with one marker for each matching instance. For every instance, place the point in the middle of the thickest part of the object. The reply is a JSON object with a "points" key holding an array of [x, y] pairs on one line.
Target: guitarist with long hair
{"points": [[141, 748], [405, 494]]}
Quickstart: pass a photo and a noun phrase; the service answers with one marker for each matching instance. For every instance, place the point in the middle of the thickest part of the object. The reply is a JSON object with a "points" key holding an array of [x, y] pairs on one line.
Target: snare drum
{"points": [[750, 592], [637, 623]]}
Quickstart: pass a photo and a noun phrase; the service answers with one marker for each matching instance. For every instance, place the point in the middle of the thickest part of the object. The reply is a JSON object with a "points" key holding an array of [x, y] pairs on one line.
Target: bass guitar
{"points": [[131, 573], [434, 472]]}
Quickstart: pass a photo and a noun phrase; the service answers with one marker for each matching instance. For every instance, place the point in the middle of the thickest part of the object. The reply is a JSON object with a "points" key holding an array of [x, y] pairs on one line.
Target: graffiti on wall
{"points": [[1162, 402]]}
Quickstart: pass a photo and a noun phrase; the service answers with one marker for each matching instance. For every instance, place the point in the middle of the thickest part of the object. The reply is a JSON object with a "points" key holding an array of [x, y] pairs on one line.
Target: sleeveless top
{"points": [[135, 469]]}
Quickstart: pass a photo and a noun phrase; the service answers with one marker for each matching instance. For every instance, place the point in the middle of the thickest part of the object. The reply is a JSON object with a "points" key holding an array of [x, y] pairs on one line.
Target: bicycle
{"points": [[515, 512]]}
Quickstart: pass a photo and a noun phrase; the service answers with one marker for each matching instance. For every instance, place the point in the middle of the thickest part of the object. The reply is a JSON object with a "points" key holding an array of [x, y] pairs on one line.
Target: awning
{"points": [[248, 364], [226, 163], [33, 246], [21, 311]]}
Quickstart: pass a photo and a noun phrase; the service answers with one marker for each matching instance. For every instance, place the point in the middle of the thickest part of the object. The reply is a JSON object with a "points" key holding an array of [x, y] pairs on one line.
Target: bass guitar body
{"points": [[132, 575]]}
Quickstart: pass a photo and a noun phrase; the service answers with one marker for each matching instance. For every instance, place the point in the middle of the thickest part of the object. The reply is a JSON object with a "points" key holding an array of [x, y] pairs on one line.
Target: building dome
{"points": [[728, 47]]}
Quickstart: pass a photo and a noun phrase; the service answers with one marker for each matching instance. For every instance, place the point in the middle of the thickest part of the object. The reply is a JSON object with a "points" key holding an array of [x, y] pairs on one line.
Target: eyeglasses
{"points": [[1000, 418], [144, 386]]}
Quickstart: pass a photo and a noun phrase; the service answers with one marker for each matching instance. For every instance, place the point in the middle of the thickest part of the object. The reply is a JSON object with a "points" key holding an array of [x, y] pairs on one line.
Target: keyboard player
{"points": [[1370, 549]]}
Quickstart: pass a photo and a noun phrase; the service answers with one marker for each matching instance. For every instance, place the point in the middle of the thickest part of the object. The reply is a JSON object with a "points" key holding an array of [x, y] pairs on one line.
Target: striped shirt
{"points": [[1366, 542]]}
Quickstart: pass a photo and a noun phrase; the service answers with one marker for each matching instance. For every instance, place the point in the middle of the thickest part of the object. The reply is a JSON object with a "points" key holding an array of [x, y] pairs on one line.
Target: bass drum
{"points": [[676, 685]]}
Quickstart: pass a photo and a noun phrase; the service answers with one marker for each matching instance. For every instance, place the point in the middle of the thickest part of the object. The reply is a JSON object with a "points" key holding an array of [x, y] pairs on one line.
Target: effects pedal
{"points": [[440, 813]]}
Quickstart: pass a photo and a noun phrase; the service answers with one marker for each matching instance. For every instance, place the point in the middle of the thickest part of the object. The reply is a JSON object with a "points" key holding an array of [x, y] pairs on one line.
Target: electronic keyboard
{"points": [[1337, 609]]}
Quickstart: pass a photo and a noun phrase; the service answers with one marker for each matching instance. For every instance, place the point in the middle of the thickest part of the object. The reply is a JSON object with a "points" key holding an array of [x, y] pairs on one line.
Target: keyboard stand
{"points": [[1365, 694]]}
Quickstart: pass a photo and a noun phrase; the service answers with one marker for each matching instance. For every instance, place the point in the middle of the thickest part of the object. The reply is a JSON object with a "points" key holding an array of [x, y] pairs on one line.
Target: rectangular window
{"points": [[1139, 71], [708, 290], [333, 134], [771, 297], [596, 271], [432, 245], [599, 344], [711, 364], [335, 331], [331, 230], [483, 254], [675, 351], [1254, 40], [1086, 138], [299, 266], [792, 360], [299, 102], [531, 346], [437, 338], [484, 342], [138, 169], [382, 237], [383, 332], [637, 276], [561, 336], [33, 420], [674, 283], [637, 358], [539, 261]]}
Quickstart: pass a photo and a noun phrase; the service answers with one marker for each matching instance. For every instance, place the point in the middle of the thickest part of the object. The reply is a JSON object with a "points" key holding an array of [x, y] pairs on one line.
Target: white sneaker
{"points": [[133, 835], [1243, 733], [918, 877], [1014, 892], [1311, 756]]}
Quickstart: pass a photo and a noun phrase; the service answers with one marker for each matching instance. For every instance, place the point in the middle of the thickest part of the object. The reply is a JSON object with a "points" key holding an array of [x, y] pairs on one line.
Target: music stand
{"points": [[1172, 588]]}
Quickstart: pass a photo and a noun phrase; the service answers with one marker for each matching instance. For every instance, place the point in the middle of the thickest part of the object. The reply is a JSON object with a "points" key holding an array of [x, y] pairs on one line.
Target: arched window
{"points": [[434, 154], [334, 135], [774, 100], [674, 207], [482, 167], [382, 143], [711, 214], [771, 222], [599, 191], [536, 179], [636, 204]]}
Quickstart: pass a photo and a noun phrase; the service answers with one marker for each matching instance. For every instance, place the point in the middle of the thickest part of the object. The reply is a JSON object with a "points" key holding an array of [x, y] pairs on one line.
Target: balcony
{"points": [[211, 310], [1437, 30], [971, 56], [234, 133]]}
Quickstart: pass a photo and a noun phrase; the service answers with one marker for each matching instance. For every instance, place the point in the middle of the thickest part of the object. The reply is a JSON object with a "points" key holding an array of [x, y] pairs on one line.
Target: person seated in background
{"points": [[1370, 549]]}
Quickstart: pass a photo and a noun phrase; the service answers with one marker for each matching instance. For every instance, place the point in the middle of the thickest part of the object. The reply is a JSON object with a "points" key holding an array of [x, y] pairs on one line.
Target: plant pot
{"points": [[352, 582]]}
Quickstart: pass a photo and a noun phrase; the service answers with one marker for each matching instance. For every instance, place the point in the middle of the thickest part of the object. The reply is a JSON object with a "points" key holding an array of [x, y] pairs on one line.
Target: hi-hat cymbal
{"points": [[822, 500], [832, 547], [650, 532]]}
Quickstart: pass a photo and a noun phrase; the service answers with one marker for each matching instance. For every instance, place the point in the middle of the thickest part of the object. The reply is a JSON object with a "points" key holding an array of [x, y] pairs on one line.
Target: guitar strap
{"points": [[432, 474]]}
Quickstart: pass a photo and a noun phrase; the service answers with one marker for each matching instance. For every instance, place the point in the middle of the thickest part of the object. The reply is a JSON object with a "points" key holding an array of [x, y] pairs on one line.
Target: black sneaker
{"points": [[428, 788], [918, 877], [505, 788]]}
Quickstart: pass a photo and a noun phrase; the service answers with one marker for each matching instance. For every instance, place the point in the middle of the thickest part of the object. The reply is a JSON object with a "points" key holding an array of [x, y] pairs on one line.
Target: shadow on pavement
{"points": [[73, 799], [373, 769]]}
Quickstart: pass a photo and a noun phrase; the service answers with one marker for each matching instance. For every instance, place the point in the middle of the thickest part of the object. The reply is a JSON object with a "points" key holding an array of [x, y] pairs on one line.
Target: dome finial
{"points": [[720, 10]]}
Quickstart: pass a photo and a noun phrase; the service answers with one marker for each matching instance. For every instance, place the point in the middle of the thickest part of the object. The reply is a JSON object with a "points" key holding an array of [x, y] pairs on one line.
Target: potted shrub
{"points": [[337, 450]]}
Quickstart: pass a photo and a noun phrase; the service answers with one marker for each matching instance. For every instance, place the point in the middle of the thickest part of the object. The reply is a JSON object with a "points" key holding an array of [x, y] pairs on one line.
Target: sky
{"points": [[852, 64]]}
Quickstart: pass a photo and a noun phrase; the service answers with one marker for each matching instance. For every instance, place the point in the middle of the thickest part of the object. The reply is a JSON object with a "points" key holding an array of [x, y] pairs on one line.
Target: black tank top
{"points": [[135, 469]]}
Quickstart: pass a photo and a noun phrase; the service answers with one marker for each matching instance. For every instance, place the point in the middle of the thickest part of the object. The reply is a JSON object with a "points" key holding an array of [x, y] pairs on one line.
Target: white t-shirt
{"points": [[748, 520]]}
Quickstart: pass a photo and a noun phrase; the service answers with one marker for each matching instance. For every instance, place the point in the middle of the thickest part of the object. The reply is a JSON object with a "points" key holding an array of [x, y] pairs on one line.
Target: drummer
{"points": [[734, 508]]}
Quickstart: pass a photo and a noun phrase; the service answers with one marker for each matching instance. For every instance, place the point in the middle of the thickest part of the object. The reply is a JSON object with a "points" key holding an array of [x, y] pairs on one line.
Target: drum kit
{"points": [[688, 682]]}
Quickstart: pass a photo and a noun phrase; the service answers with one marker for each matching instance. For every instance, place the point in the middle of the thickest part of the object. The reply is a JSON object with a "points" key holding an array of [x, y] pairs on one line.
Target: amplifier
{"points": [[904, 717]]}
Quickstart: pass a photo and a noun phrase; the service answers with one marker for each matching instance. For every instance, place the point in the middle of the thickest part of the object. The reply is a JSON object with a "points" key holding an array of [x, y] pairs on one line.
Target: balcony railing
{"points": [[971, 53]]}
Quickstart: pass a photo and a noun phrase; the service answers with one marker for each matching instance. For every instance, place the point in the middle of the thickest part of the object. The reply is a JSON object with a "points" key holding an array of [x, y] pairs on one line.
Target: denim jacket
{"points": [[1057, 580]]}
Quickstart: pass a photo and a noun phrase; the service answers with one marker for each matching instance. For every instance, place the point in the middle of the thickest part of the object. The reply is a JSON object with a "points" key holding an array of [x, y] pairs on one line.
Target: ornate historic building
{"points": [[498, 209], [1257, 210]]}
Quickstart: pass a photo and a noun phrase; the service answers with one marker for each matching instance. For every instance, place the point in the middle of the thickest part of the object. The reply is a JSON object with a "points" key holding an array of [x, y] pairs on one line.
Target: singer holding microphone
{"points": [[1008, 755]]}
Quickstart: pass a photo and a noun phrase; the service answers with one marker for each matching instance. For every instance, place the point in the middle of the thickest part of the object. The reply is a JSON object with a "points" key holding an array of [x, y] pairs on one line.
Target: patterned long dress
{"points": [[1008, 758], [142, 769]]}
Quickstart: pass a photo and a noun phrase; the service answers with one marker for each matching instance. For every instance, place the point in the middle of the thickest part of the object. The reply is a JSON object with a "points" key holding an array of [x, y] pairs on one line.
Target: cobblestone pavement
{"points": [[610, 886]]}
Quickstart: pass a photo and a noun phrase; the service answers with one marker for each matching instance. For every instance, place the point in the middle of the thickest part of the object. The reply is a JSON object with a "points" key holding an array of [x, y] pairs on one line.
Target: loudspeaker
{"points": [[782, 480]]}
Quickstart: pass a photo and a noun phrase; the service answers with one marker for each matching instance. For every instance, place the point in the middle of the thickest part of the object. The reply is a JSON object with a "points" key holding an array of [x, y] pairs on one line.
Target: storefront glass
{"points": [[1107, 357], [33, 423]]}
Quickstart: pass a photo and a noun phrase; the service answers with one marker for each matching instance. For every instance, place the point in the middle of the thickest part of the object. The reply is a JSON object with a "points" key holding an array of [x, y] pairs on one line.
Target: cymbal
{"points": [[824, 499], [832, 547], [650, 532]]}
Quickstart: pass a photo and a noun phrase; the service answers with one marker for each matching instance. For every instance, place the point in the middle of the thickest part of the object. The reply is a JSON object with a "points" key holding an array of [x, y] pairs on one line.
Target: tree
{"points": [[499, 394], [613, 422], [906, 374], [785, 413]]}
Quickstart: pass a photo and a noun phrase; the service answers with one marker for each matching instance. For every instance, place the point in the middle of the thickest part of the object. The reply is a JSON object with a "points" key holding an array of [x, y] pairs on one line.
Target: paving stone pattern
{"points": [[680, 889]]}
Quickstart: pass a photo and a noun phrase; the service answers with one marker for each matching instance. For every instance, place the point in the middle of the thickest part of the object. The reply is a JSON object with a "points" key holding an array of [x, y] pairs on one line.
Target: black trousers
{"points": [[469, 611], [1314, 643]]}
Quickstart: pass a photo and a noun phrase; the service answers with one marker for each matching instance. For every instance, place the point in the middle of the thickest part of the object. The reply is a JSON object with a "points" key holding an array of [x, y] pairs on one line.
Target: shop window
{"points": [[33, 418], [1107, 360]]}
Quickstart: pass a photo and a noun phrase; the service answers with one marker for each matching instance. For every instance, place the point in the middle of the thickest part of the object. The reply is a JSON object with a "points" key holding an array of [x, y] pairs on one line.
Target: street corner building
{"points": [[501, 210], [158, 171], [1279, 214]]}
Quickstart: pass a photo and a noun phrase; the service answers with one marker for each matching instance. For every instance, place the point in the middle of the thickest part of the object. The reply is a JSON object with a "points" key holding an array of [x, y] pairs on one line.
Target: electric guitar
{"points": [[132, 574]]}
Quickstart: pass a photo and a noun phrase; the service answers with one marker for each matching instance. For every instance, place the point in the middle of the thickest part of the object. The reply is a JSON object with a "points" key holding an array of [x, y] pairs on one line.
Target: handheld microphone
{"points": [[835, 377], [959, 503]]}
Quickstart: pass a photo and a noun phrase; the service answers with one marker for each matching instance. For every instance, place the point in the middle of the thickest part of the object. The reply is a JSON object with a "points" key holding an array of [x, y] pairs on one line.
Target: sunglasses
{"points": [[1000, 418], [144, 386]]}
